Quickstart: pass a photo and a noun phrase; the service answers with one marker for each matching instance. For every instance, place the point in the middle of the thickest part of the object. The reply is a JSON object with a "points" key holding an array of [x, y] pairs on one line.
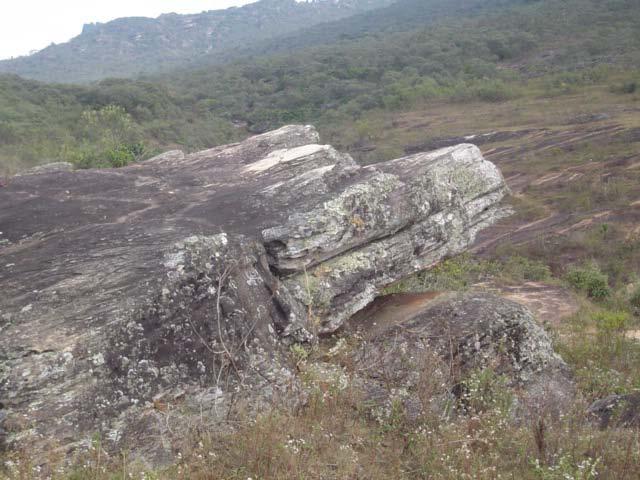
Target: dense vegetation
{"points": [[40, 123], [127, 47], [487, 55]]}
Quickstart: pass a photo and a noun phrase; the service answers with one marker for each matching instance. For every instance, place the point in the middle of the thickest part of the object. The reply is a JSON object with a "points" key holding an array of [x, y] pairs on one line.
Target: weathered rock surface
{"points": [[425, 361], [477, 139], [138, 301], [3, 433], [48, 168], [617, 411]]}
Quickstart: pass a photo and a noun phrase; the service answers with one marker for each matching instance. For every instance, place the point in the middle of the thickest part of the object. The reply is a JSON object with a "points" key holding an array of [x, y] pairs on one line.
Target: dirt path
{"points": [[551, 304]]}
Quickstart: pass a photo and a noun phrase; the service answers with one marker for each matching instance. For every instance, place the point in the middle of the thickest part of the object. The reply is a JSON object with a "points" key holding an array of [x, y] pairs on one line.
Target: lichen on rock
{"points": [[178, 284], [453, 338]]}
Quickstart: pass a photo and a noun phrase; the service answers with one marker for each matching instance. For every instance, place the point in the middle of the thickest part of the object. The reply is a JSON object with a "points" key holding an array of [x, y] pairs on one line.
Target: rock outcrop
{"points": [[617, 411], [434, 358], [137, 300]]}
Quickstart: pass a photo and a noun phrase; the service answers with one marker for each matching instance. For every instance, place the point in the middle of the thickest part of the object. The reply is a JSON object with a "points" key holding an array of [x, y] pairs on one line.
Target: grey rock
{"points": [[177, 284], [617, 411], [454, 337], [48, 168], [386, 223], [3, 433], [169, 157], [476, 139]]}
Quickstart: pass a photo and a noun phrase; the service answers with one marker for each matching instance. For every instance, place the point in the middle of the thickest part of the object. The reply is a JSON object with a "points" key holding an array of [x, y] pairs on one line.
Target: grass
{"points": [[464, 271], [604, 357], [535, 108]]}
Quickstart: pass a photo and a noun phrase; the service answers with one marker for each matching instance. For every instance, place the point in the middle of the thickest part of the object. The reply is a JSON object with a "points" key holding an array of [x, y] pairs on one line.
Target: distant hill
{"points": [[128, 47]]}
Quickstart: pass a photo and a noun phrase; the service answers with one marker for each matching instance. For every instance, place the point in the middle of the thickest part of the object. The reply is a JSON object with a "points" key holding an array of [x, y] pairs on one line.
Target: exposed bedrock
{"points": [[136, 299]]}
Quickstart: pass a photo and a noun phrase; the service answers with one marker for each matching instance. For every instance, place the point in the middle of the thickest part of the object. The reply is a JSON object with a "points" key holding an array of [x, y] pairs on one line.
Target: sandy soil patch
{"points": [[551, 304]]}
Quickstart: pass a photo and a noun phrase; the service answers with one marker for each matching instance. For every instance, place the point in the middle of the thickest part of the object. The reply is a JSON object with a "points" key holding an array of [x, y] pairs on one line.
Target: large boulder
{"points": [[436, 356], [136, 300]]}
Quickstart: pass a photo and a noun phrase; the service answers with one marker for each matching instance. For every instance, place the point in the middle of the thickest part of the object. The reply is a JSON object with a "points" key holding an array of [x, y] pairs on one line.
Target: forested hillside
{"points": [[489, 54], [128, 47]]}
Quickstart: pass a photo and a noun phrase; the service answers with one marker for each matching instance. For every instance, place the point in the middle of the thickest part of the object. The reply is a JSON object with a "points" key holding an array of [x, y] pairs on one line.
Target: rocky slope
{"points": [[176, 285]]}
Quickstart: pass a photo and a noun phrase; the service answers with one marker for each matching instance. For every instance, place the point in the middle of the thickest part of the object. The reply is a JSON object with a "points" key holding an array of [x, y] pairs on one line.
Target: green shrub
{"points": [[522, 268], [123, 155], [493, 91], [611, 322], [590, 280], [116, 157]]}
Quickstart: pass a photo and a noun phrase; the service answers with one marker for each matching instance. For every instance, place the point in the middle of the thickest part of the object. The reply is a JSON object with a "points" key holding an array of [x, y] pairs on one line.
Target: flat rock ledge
{"points": [[139, 302]]}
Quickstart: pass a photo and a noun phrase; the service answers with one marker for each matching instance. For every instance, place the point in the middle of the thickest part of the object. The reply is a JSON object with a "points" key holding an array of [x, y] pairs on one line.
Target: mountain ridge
{"points": [[131, 46]]}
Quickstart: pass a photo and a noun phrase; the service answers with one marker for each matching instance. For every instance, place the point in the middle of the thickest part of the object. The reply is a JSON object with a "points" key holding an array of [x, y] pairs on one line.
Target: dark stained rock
{"points": [[617, 411], [456, 336], [136, 300], [477, 139], [588, 118]]}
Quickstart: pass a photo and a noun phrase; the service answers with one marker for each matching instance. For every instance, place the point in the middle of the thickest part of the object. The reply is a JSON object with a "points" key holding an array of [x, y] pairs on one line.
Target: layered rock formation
{"points": [[136, 300]]}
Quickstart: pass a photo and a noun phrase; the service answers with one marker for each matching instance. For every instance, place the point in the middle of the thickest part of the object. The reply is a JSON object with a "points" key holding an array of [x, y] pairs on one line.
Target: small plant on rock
{"points": [[299, 354]]}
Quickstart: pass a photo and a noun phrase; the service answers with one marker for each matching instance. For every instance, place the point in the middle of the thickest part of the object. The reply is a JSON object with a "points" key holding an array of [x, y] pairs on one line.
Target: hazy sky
{"points": [[27, 25]]}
